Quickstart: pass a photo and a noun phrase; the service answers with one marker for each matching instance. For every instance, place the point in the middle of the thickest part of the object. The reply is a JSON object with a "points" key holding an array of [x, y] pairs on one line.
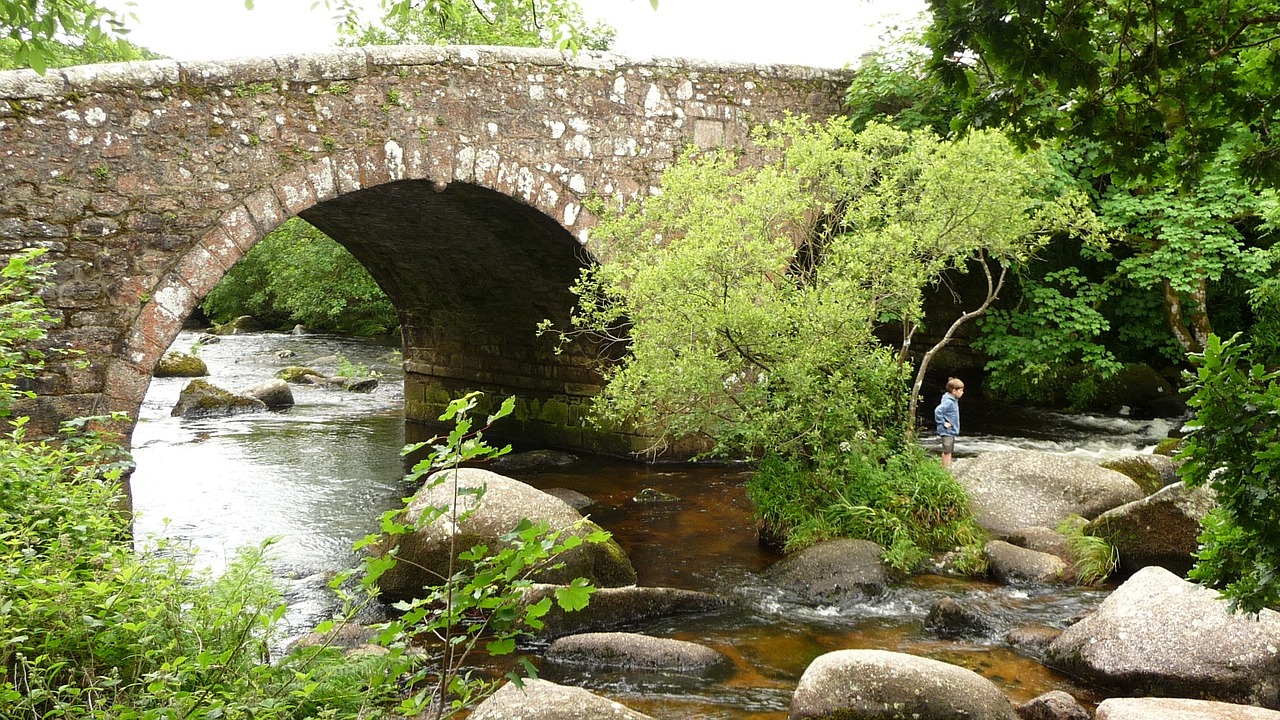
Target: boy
{"points": [[947, 415]]}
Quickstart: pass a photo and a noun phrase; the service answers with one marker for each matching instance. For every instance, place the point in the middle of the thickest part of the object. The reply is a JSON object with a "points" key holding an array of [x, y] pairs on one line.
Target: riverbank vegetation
{"points": [[94, 625], [753, 301]]}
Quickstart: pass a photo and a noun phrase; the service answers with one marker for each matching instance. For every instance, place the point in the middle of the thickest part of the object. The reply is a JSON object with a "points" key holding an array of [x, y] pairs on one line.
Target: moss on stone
{"points": [[555, 412], [180, 364], [296, 373], [1142, 473], [1168, 447]]}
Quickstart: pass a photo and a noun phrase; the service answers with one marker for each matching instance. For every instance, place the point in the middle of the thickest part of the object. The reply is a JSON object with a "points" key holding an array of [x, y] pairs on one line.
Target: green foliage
{"points": [[1161, 88], [89, 629], [1190, 233], [480, 602], [738, 337], [893, 86], [751, 300], [1093, 559], [23, 319], [1234, 448], [54, 33], [299, 275], [524, 23], [904, 501], [1046, 349]]}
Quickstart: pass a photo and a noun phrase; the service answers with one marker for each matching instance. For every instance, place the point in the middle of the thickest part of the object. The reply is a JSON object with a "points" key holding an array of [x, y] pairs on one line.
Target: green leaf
{"points": [[575, 596]]}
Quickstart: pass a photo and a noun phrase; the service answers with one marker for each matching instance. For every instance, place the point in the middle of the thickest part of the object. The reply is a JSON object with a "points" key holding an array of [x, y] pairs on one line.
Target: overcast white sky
{"points": [[822, 33]]}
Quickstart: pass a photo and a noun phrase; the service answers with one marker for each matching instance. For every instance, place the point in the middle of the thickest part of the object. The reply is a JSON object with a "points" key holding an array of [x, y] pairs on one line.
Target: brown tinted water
{"points": [[321, 474], [706, 541]]}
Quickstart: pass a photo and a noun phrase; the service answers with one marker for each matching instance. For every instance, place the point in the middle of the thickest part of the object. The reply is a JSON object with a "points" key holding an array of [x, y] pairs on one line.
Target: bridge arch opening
{"points": [[471, 272]]}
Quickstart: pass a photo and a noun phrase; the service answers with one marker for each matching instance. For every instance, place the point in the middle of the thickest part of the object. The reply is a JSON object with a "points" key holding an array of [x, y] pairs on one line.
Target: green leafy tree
{"points": [[41, 33], [529, 23], [1161, 88], [297, 274], [750, 298], [1169, 111], [1234, 448]]}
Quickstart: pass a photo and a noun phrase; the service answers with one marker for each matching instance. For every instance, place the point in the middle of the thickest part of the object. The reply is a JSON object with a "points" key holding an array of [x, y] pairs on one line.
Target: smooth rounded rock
{"points": [[274, 393], [631, 650], [544, 700], [1013, 565], [832, 573], [883, 685], [1179, 709], [1161, 635], [620, 606], [203, 399], [1053, 705], [424, 553], [951, 618], [1016, 489]]}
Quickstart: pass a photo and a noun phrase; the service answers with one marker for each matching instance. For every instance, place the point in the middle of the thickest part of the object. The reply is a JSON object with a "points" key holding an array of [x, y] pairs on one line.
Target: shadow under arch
{"points": [[472, 272]]}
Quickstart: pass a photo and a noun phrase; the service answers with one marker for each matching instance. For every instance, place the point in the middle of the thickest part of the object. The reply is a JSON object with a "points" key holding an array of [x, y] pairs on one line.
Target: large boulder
{"points": [[634, 651], [1013, 565], [1158, 634], [1017, 489], [543, 700], [203, 399], [1139, 388], [179, 364], [1161, 529], [236, 326], [878, 684], [835, 572], [619, 606], [424, 553], [1179, 709], [274, 393]]}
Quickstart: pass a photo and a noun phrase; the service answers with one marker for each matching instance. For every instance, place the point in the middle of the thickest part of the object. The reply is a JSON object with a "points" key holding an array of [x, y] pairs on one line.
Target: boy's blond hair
{"points": [[954, 384]]}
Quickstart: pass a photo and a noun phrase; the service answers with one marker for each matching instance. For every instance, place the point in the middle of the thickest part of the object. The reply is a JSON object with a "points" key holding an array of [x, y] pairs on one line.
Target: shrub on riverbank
{"points": [[905, 501], [91, 629]]}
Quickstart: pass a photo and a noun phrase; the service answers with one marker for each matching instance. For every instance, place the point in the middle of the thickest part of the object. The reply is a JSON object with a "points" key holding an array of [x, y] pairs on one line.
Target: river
{"points": [[318, 476]]}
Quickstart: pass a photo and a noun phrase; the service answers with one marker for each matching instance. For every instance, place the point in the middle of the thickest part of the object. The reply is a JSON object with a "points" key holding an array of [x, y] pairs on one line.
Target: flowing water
{"points": [[318, 476]]}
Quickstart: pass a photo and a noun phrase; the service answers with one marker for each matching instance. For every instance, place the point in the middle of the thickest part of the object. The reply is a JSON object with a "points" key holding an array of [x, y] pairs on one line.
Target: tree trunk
{"points": [[1189, 325], [994, 286]]}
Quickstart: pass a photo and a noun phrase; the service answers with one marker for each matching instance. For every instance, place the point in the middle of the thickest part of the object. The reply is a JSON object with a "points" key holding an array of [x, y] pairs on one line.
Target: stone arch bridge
{"points": [[457, 176]]}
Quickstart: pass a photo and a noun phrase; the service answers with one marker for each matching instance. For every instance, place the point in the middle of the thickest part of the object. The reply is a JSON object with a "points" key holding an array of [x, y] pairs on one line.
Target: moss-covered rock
{"points": [[203, 399], [180, 364], [1137, 387], [242, 324], [1151, 472], [300, 375]]}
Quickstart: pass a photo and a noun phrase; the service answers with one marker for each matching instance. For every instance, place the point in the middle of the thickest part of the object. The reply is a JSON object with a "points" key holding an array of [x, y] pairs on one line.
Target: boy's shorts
{"points": [[948, 444]]}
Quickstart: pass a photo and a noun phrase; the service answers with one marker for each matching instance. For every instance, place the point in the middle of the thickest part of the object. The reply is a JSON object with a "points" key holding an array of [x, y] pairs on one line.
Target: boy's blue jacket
{"points": [[948, 410]]}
